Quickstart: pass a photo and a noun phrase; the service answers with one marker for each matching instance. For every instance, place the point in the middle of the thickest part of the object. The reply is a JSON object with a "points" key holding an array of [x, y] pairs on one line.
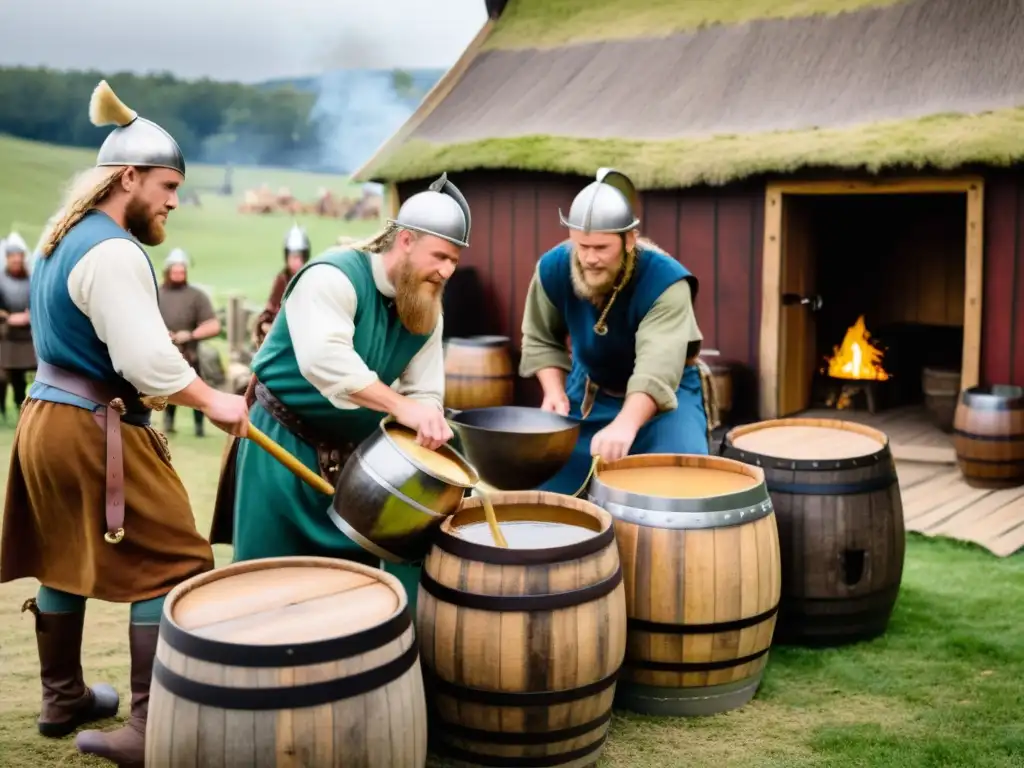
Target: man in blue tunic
{"points": [[627, 308]]}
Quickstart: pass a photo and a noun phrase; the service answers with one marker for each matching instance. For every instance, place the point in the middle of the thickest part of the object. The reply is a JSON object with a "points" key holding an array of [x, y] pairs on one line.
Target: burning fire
{"points": [[857, 357]]}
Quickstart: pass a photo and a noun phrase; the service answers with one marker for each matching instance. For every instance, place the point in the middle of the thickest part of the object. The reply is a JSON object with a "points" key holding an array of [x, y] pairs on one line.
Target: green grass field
{"points": [[944, 687]]}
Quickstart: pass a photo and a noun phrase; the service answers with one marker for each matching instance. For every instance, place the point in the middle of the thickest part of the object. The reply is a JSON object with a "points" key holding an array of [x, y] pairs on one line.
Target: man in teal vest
{"points": [[358, 337]]}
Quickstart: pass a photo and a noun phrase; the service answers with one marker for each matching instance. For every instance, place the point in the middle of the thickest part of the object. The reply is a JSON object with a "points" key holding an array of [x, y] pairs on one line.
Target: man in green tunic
{"points": [[358, 337]]}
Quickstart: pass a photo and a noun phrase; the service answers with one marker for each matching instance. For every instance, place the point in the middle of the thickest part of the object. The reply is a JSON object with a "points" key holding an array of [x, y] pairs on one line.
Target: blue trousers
{"points": [[683, 430]]}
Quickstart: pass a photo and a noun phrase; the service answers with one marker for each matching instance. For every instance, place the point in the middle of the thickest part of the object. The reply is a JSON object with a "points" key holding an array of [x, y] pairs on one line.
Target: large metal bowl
{"points": [[390, 504], [514, 448]]}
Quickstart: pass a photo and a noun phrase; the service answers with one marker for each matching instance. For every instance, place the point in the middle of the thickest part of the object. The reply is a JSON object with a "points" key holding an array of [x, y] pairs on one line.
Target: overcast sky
{"points": [[246, 40]]}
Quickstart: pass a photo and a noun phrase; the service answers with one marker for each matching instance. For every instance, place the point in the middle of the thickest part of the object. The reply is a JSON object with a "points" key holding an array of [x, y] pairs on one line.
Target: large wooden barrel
{"points": [[478, 372], [941, 393], [522, 646], [988, 435], [306, 660], [700, 560], [835, 492]]}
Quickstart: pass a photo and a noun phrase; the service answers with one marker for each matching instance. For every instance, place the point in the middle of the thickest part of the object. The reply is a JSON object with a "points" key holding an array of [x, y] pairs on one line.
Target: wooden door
{"points": [[797, 339]]}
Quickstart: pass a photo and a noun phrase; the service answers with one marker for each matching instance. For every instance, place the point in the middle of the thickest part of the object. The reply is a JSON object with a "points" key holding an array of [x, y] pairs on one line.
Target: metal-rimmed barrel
{"points": [[478, 372], [837, 497], [522, 646], [702, 582], [294, 655], [988, 436]]}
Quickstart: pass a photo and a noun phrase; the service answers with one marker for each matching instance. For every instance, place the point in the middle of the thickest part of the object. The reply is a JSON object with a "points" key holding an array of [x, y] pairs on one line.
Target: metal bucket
{"points": [[391, 505]]}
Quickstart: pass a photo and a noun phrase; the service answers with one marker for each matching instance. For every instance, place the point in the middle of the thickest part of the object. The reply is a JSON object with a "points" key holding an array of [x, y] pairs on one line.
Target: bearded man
{"points": [[631, 381], [94, 508], [17, 356], [189, 316], [358, 337], [297, 250]]}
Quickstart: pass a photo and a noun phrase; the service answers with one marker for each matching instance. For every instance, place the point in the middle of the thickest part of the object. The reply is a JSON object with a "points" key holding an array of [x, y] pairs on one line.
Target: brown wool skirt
{"points": [[54, 520]]}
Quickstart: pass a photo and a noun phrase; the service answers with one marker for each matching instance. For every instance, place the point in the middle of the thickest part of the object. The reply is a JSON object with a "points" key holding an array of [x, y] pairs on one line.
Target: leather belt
{"points": [[114, 400], [592, 388]]}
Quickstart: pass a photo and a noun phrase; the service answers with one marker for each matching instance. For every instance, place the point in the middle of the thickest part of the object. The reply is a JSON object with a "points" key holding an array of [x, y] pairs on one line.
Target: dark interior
{"points": [[899, 261]]}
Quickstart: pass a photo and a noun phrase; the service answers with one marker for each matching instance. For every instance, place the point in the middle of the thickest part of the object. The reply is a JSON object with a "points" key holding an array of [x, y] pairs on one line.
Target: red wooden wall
{"points": [[1002, 340]]}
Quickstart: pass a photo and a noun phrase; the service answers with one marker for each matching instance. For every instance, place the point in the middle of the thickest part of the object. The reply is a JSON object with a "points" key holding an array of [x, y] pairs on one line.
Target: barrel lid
{"points": [[286, 605], [808, 440]]}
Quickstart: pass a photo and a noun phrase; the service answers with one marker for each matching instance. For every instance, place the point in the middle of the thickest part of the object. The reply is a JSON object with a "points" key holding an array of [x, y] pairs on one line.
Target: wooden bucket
{"points": [[941, 393], [700, 558], [478, 372], [305, 657], [988, 435], [521, 646], [835, 491]]}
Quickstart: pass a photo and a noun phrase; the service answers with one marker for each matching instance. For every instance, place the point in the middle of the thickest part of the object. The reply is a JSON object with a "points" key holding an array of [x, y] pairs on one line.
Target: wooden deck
{"points": [[936, 500]]}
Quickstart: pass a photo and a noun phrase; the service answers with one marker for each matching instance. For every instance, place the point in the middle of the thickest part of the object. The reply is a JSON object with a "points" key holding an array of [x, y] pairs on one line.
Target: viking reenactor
{"points": [[358, 337], [17, 356], [94, 508], [297, 250], [190, 318], [630, 377]]}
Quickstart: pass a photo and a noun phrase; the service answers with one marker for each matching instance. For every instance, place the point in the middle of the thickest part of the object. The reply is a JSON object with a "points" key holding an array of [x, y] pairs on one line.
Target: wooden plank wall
{"points": [[1002, 350]]}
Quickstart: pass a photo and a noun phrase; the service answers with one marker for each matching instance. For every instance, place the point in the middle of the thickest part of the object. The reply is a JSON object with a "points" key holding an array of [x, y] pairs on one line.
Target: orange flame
{"points": [[857, 357]]}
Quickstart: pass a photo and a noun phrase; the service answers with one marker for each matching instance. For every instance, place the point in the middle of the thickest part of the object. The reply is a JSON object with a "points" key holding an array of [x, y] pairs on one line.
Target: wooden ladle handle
{"points": [[299, 469]]}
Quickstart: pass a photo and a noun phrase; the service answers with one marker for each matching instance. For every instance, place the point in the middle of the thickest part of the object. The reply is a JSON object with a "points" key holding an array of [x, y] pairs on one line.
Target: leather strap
{"points": [[112, 400]]}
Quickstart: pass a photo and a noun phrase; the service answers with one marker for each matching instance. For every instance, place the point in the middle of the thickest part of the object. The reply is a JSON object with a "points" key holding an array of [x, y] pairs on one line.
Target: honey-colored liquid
{"points": [[497, 535], [676, 482], [526, 534], [435, 461]]}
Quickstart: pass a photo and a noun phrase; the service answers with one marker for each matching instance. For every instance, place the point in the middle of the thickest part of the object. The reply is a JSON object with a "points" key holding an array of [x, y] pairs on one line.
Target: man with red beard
{"points": [[631, 379], [358, 337], [17, 356], [94, 508]]}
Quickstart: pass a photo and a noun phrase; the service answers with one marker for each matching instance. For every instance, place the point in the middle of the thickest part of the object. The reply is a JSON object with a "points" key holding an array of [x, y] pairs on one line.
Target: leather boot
{"points": [[67, 701], [126, 747]]}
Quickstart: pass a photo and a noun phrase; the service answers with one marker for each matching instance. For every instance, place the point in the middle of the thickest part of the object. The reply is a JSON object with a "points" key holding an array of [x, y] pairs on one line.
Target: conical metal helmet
{"points": [[177, 256], [605, 205], [135, 141], [14, 243], [440, 211], [296, 240]]}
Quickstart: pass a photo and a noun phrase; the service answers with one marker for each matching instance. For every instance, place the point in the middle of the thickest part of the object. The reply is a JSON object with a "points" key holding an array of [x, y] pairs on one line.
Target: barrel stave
{"points": [[505, 684]]}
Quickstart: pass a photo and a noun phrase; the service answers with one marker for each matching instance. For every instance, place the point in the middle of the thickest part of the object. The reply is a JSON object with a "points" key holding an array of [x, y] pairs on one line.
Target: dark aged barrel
{"points": [[835, 491], [522, 646], [478, 372], [700, 560], [941, 393], [988, 435], [295, 659]]}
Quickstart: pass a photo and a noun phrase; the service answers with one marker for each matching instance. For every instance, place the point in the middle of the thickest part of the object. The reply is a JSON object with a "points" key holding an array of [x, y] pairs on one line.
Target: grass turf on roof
{"points": [[551, 23], [943, 141]]}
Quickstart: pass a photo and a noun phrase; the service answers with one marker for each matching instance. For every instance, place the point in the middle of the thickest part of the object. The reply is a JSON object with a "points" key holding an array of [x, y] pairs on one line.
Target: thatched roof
{"points": [[676, 96]]}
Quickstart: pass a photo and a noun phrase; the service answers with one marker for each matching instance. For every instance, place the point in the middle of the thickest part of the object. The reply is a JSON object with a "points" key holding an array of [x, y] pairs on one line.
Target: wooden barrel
{"points": [[522, 646], [721, 377], [478, 372], [835, 491], [988, 435], [295, 659], [941, 393], [700, 560]]}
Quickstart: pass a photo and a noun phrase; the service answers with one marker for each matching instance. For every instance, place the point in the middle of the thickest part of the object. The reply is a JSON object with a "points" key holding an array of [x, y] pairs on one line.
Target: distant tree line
{"points": [[212, 121]]}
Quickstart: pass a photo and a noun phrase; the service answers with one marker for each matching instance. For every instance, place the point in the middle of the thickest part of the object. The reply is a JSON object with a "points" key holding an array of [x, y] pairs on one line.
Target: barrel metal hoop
{"points": [[730, 451], [285, 697], [483, 553], [392, 491], [498, 761], [989, 438], [485, 377], [693, 666], [685, 521], [292, 655], [512, 603], [871, 485], [658, 628], [469, 695], [521, 738]]}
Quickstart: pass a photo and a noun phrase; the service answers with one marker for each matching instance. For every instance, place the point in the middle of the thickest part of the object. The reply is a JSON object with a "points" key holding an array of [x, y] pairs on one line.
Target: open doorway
{"points": [[900, 261]]}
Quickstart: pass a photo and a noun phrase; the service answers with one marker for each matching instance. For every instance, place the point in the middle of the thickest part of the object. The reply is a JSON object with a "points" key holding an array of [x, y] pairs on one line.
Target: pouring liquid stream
{"points": [[492, 519]]}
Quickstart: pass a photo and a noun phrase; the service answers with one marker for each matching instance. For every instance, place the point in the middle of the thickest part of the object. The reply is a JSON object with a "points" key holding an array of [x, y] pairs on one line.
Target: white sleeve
{"points": [[321, 312], [113, 286], [423, 378]]}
